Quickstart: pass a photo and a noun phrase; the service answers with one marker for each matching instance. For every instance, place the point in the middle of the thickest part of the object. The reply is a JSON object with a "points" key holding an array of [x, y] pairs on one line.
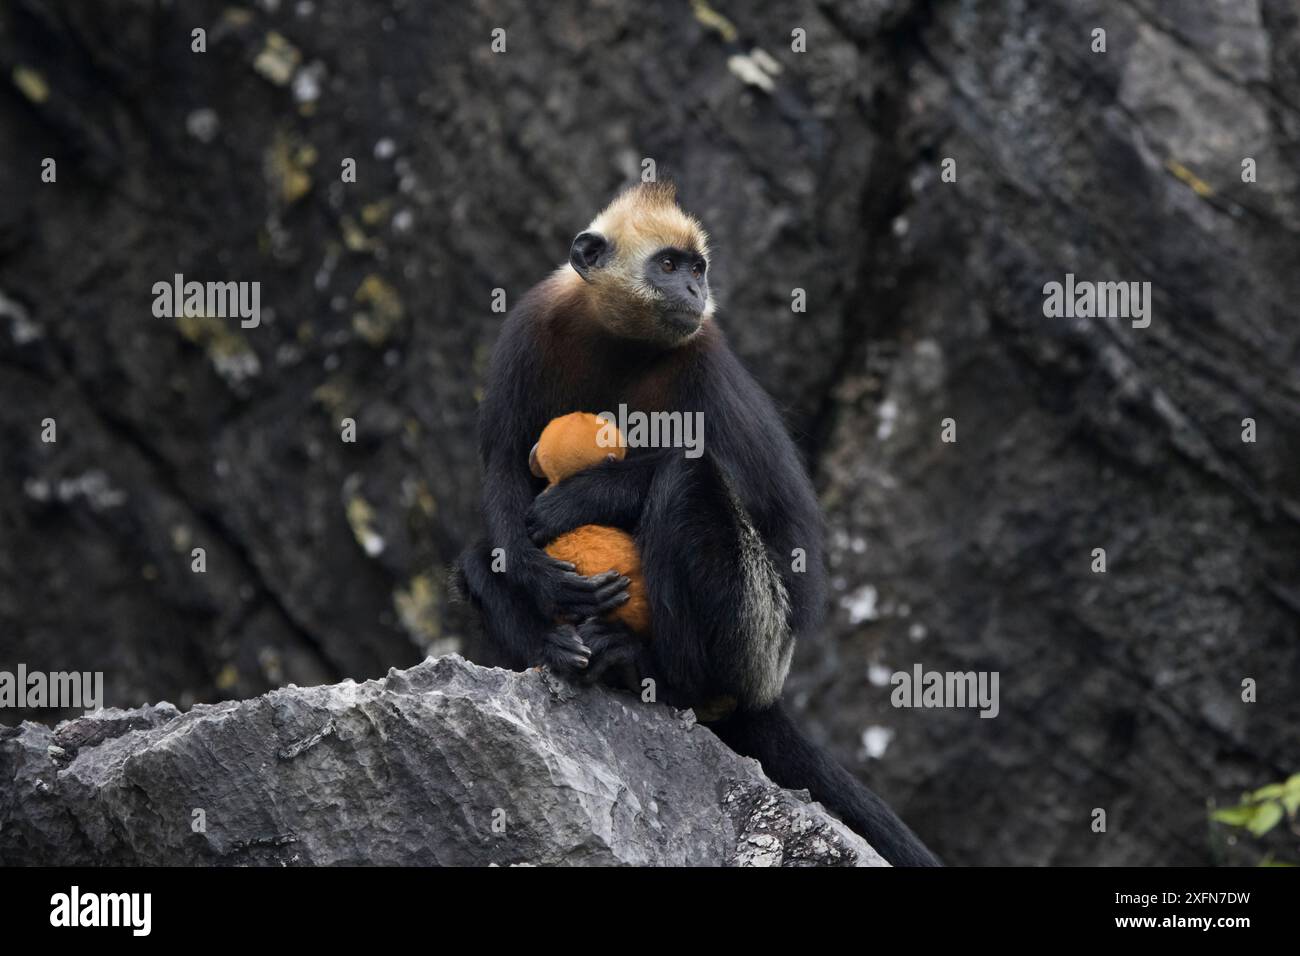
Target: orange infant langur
{"points": [[570, 444]]}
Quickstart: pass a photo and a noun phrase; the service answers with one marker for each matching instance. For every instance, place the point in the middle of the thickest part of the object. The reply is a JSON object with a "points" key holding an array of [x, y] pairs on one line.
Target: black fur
{"points": [[553, 358], [792, 760]]}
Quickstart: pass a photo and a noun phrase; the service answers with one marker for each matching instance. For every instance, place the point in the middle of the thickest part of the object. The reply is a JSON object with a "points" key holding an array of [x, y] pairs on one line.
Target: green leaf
{"points": [[1234, 816], [1266, 818]]}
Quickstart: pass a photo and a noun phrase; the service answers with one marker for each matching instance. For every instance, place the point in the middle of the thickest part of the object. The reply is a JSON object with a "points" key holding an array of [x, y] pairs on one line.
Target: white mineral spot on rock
{"points": [[750, 71], [308, 81], [37, 489], [203, 124], [876, 740], [888, 413], [94, 487], [237, 367], [878, 675], [21, 327], [861, 604]]}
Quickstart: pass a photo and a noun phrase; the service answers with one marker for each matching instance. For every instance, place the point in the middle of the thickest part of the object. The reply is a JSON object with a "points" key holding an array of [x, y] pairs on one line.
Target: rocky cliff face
{"points": [[445, 763], [817, 170]]}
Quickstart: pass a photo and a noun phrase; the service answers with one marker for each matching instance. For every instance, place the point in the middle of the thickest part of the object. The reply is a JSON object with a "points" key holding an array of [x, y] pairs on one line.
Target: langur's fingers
{"points": [[564, 649], [590, 607], [616, 651], [609, 590], [563, 661], [615, 599], [593, 584], [576, 661], [580, 587], [566, 639]]}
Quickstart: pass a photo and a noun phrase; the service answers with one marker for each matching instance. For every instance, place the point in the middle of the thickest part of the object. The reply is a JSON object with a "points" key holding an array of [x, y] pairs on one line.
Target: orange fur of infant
{"points": [[569, 444]]}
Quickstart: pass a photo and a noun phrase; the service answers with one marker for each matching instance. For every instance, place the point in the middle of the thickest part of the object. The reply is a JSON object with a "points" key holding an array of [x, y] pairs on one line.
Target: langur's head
{"points": [[573, 443], [646, 265]]}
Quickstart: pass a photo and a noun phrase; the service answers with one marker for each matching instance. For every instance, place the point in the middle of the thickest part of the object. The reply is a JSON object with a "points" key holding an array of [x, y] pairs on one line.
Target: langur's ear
{"points": [[590, 251]]}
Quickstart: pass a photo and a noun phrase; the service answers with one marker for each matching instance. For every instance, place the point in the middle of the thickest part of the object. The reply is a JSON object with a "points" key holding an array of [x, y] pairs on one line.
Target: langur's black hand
{"points": [[563, 651], [613, 648], [612, 493], [560, 592], [590, 597], [554, 512]]}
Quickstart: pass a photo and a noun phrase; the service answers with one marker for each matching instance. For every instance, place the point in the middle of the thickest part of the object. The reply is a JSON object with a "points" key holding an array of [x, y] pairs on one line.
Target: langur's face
{"points": [[652, 292], [678, 276]]}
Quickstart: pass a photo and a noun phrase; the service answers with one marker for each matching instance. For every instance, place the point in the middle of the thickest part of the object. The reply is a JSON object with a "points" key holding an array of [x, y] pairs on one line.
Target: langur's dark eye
{"points": [[697, 270], [667, 264]]}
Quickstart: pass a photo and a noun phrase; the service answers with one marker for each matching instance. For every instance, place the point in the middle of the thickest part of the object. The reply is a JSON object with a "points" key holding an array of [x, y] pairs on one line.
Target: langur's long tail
{"points": [[795, 762]]}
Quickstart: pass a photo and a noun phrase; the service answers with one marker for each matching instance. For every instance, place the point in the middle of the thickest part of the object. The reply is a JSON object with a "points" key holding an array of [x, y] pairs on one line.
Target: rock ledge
{"points": [[445, 763]]}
